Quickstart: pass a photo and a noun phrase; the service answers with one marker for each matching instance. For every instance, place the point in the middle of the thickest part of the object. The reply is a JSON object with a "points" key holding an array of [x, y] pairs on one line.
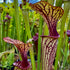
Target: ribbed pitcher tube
{"points": [[49, 47]]}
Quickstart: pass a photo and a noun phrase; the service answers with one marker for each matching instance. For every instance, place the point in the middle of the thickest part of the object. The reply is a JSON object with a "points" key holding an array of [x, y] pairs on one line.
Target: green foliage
{"points": [[7, 60], [24, 26], [4, 62], [60, 40], [10, 59]]}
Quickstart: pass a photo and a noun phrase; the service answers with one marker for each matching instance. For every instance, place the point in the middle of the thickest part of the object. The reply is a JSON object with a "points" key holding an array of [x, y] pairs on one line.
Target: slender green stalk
{"points": [[60, 40], [25, 36], [51, 2], [20, 26], [45, 29], [26, 20], [3, 31], [59, 3], [17, 19], [13, 28], [0, 33], [7, 26], [27, 27], [22, 32], [69, 23], [39, 42], [32, 23]]}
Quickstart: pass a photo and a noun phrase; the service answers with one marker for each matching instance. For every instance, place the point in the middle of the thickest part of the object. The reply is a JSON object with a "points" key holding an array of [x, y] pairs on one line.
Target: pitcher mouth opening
{"points": [[20, 65], [51, 36]]}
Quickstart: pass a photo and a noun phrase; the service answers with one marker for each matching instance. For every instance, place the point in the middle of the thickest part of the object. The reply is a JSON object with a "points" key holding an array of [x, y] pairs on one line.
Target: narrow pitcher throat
{"points": [[52, 28], [53, 32], [24, 59]]}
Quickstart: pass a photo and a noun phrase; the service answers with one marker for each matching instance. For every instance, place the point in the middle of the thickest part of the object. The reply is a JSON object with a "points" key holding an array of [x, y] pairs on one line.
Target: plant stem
{"points": [[17, 19], [32, 27], [39, 42], [59, 3], [0, 33], [51, 2], [69, 22], [13, 28], [28, 32], [3, 31]]}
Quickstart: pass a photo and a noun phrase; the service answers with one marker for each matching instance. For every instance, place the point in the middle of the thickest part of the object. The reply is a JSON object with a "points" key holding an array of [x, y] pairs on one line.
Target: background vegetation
{"points": [[22, 23]]}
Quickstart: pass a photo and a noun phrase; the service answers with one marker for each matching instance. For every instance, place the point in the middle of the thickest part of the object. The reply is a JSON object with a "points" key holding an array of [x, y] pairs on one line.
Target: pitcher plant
{"points": [[23, 49], [51, 15]]}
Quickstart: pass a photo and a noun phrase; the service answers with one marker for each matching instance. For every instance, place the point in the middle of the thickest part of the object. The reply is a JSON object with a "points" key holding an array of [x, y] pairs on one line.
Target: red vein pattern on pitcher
{"points": [[23, 49], [51, 14], [49, 47]]}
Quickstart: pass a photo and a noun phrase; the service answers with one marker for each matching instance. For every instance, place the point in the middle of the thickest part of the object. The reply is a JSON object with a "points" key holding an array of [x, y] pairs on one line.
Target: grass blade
{"points": [[39, 42], [28, 32]]}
